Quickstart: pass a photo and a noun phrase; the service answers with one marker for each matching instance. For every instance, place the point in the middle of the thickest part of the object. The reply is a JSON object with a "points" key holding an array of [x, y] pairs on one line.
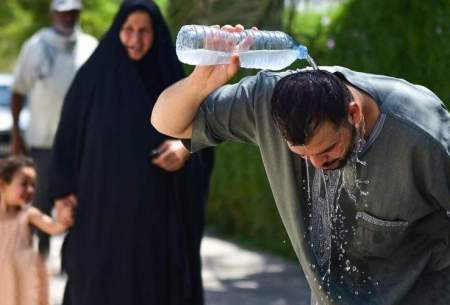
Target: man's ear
{"points": [[354, 113]]}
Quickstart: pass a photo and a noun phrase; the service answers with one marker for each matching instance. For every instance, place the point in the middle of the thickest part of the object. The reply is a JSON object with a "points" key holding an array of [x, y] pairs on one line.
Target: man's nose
{"points": [[318, 161]]}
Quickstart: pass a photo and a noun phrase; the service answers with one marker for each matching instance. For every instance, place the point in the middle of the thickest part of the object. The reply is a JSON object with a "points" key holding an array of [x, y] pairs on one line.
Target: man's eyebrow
{"points": [[328, 148]]}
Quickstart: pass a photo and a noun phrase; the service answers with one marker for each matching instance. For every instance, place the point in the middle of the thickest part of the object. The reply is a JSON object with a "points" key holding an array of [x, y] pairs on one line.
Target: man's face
{"points": [[329, 146], [65, 22]]}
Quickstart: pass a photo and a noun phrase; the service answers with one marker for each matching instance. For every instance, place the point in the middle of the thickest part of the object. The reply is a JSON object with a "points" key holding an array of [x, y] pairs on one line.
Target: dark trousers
{"points": [[42, 200]]}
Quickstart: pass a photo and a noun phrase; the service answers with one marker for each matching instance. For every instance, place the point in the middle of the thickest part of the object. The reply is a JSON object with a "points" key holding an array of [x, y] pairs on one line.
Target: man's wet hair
{"points": [[303, 100]]}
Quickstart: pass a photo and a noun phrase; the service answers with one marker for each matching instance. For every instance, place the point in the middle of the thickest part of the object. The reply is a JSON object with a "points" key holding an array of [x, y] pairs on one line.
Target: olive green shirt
{"points": [[388, 241]]}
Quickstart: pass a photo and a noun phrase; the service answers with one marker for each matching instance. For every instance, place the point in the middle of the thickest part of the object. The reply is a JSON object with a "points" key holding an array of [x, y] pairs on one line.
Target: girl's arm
{"points": [[46, 224]]}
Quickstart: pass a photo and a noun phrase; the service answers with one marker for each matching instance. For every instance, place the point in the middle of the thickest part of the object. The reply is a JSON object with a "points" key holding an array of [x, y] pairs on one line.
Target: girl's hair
{"points": [[10, 165]]}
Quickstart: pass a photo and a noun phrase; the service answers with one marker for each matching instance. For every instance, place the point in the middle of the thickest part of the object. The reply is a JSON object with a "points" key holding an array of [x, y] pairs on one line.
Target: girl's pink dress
{"points": [[23, 276]]}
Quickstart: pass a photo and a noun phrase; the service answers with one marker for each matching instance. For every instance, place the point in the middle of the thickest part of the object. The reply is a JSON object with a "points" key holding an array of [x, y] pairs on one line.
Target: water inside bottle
{"points": [[203, 57], [259, 59], [255, 59], [267, 59]]}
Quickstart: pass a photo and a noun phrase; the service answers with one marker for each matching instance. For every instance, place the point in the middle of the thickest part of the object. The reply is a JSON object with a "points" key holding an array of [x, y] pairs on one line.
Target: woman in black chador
{"points": [[139, 196]]}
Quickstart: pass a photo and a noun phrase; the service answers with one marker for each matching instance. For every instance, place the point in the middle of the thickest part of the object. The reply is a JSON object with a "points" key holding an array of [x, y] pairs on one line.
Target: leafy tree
{"points": [[266, 14], [403, 38]]}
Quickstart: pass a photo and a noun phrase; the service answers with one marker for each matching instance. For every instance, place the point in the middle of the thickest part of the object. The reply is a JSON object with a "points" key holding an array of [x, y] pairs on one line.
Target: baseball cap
{"points": [[66, 5]]}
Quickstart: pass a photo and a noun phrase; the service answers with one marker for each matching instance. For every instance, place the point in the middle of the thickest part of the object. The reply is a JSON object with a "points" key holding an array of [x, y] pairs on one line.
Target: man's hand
{"points": [[64, 207], [17, 145], [172, 155], [212, 77]]}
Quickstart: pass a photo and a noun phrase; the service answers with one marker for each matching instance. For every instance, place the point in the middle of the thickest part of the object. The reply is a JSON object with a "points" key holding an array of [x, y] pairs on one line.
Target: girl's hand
{"points": [[61, 205], [46, 224], [172, 155], [66, 216]]}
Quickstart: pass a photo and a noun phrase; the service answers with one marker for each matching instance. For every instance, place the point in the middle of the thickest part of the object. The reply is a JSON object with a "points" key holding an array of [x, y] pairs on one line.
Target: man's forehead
{"points": [[323, 135]]}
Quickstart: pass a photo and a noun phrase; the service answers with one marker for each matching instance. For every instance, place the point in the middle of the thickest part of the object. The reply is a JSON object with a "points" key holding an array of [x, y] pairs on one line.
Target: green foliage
{"points": [[241, 205], [97, 16], [403, 38], [264, 13], [16, 24]]}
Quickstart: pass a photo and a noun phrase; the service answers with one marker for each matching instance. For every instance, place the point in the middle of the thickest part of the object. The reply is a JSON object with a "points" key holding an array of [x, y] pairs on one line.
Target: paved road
{"points": [[231, 275]]}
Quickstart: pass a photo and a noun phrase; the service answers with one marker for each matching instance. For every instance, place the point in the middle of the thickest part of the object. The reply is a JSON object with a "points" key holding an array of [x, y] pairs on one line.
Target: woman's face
{"points": [[137, 34]]}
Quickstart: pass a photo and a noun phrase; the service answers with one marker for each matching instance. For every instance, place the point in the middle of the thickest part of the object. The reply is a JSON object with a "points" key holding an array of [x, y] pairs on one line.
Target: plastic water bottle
{"points": [[205, 45]]}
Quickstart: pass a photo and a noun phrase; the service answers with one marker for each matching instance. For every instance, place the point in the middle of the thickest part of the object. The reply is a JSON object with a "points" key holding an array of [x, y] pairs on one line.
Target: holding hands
{"points": [[63, 220], [64, 208]]}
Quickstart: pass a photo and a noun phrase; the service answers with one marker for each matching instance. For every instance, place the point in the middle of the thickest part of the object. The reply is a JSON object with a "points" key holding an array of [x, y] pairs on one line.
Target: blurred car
{"points": [[5, 113]]}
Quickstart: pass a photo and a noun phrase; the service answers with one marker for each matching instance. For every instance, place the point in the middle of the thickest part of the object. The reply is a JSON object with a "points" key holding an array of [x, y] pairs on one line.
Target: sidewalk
{"points": [[231, 276]]}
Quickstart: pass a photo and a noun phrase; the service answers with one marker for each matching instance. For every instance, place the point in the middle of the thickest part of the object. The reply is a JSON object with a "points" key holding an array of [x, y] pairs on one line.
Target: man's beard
{"points": [[355, 138], [65, 29]]}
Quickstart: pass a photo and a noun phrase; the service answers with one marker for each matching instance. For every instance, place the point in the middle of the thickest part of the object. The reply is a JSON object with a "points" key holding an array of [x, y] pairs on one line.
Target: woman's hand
{"points": [[172, 155]]}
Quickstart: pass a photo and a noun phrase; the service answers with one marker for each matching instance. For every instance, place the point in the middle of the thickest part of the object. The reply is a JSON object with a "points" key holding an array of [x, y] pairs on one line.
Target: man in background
{"points": [[44, 71]]}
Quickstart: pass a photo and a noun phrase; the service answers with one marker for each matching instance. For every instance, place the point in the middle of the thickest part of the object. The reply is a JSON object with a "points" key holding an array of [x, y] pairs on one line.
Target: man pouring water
{"points": [[359, 166]]}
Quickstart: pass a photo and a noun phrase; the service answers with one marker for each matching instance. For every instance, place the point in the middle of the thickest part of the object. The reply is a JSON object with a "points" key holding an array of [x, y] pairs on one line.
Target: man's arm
{"points": [[17, 143], [177, 106]]}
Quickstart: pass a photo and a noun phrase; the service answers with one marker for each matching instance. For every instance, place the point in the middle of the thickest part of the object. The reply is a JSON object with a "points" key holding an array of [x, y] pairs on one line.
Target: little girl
{"points": [[23, 277]]}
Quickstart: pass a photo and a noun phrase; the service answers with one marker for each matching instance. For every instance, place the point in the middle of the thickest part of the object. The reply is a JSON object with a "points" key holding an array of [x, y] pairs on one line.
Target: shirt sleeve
{"points": [[227, 114], [433, 174], [24, 73]]}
